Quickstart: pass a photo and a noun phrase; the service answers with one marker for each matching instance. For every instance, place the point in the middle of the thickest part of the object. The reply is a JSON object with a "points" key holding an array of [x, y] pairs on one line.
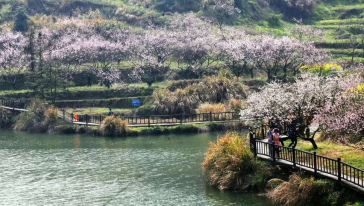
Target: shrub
{"points": [[6, 119], [65, 129], [39, 118], [146, 110], [181, 84], [51, 115], [323, 70], [229, 163], [178, 102], [220, 88], [184, 129], [303, 191], [114, 126], [236, 105], [214, 108]]}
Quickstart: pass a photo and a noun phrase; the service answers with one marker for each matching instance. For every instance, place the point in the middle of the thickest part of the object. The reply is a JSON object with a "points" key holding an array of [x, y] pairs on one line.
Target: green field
{"points": [[348, 154], [343, 27]]}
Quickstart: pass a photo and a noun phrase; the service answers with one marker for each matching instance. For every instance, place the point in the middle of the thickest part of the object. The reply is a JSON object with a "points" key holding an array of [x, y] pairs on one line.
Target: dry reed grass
{"points": [[229, 162], [114, 126]]}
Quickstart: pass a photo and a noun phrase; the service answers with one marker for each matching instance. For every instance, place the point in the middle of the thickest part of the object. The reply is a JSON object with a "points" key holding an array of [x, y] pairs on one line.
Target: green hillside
{"points": [[344, 31]]}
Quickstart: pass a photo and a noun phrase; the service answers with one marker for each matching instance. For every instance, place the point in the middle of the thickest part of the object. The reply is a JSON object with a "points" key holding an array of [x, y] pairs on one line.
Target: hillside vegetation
{"points": [[340, 21], [81, 53]]}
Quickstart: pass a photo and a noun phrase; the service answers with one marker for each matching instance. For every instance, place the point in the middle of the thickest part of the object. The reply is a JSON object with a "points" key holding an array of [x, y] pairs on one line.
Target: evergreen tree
{"points": [[21, 22]]}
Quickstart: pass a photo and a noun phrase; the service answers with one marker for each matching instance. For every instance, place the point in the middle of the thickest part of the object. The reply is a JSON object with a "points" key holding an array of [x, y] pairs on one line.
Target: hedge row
{"points": [[113, 103], [336, 45], [79, 78], [102, 94]]}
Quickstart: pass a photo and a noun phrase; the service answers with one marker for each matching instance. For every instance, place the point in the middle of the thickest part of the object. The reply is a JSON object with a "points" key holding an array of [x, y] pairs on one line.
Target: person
{"points": [[270, 139], [292, 135], [277, 140], [110, 112], [76, 117]]}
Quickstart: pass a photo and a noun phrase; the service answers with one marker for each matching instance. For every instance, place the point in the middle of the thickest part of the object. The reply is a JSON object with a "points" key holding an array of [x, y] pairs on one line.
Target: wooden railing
{"points": [[20, 104], [146, 120], [151, 120], [313, 162]]}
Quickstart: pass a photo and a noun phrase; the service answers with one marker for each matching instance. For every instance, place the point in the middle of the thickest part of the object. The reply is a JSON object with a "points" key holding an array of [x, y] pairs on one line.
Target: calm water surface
{"points": [[79, 170]]}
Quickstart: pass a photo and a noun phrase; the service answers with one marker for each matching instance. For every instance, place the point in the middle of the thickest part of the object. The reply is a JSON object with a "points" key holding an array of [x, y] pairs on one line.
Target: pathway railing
{"points": [[146, 120], [150, 120], [20, 104], [319, 165]]}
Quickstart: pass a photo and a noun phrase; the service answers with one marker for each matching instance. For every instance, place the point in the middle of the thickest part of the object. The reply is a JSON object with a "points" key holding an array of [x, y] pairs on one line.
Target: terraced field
{"points": [[344, 29]]}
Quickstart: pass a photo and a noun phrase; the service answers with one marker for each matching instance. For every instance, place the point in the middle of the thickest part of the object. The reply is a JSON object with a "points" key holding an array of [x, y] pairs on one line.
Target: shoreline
{"points": [[143, 131]]}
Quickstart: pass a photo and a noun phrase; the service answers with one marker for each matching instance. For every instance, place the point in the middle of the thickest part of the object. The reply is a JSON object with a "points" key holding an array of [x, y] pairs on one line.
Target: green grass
{"points": [[97, 110], [339, 26], [347, 52], [9, 92], [341, 21], [347, 7], [349, 155], [345, 58]]}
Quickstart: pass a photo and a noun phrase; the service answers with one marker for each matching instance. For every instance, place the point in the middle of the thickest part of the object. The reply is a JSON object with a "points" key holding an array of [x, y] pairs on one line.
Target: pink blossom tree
{"points": [[13, 57], [345, 116], [297, 102], [12, 50]]}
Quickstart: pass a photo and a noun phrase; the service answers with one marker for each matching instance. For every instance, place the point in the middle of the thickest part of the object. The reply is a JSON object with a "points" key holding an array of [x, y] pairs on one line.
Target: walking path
{"points": [[144, 121], [311, 162]]}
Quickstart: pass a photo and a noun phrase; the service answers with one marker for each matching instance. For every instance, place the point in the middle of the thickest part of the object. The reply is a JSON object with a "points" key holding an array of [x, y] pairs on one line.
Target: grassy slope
{"points": [[343, 24], [348, 154]]}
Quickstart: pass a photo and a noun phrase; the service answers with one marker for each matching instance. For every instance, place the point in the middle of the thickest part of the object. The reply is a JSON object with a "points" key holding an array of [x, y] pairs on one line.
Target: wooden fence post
{"points": [[253, 144], [315, 163], [339, 169], [86, 117], [210, 116], [149, 121], [273, 152], [294, 157]]}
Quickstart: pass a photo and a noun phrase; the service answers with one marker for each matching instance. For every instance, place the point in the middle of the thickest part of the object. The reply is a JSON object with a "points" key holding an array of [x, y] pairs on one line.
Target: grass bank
{"points": [[154, 130], [348, 154]]}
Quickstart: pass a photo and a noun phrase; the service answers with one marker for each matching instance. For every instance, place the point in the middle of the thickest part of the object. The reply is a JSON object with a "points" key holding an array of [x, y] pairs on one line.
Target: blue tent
{"points": [[136, 103]]}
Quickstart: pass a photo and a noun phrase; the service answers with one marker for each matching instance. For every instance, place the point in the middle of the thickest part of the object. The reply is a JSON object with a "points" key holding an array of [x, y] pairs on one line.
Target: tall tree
{"points": [[21, 23]]}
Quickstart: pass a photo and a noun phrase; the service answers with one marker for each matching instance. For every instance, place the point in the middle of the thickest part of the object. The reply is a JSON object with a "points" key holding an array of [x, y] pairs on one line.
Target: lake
{"points": [[80, 170]]}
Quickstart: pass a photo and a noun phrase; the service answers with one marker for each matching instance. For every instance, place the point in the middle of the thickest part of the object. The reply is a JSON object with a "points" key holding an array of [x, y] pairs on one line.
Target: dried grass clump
{"points": [[213, 108], [229, 162], [114, 126], [39, 118], [51, 116], [236, 105], [301, 191], [6, 118]]}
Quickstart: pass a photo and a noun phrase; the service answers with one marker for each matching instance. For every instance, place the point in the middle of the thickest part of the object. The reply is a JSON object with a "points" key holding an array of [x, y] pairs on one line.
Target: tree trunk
{"points": [[310, 138], [285, 74], [269, 74]]}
